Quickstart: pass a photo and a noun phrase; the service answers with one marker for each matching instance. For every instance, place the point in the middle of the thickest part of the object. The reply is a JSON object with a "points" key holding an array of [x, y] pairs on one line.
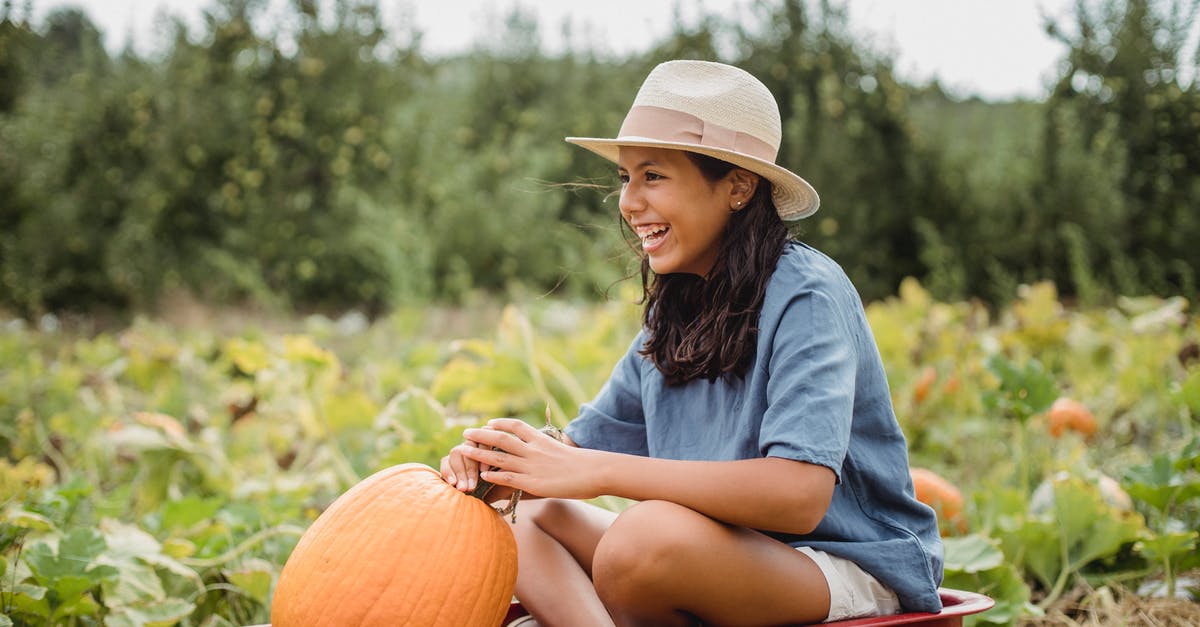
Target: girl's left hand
{"points": [[531, 461]]}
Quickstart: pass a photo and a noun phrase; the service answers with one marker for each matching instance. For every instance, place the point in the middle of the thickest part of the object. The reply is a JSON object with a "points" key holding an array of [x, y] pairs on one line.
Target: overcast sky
{"points": [[990, 48]]}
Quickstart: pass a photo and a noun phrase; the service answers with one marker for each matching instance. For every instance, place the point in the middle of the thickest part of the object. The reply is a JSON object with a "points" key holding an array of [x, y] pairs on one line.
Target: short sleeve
{"points": [[811, 385], [614, 420]]}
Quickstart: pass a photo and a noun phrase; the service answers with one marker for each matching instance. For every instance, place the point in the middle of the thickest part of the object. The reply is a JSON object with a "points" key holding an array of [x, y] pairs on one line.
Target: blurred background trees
{"points": [[320, 161]]}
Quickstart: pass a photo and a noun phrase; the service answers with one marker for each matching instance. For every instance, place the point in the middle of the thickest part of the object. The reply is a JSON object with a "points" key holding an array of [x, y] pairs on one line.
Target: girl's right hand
{"points": [[461, 471]]}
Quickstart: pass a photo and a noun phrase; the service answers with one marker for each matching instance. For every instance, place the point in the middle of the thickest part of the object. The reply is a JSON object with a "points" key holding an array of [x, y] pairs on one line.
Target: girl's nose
{"points": [[630, 201]]}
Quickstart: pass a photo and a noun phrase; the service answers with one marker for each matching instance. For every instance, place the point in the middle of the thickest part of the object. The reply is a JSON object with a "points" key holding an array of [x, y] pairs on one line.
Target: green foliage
{"points": [[1023, 392], [320, 161], [975, 562], [162, 474], [1077, 527]]}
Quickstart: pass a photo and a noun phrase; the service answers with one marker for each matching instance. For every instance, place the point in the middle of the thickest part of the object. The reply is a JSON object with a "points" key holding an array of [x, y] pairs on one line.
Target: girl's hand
{"points": [[462, 472], [529, 460]]}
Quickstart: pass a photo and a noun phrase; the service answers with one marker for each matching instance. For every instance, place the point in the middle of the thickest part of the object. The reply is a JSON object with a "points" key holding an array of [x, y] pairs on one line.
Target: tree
{"points": [[1127, 99]]}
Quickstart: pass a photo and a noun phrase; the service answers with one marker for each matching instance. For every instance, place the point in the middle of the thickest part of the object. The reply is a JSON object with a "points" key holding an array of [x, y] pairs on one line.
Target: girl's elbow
{"points": [[808, 512], [805, 523]]}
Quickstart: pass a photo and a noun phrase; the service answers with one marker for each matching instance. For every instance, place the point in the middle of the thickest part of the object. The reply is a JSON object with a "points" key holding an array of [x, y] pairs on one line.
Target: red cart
{"points": [[955, 605]]}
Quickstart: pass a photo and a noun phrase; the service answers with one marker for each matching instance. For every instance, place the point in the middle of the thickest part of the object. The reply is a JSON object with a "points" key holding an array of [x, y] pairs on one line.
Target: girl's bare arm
{"points": [[768, 493]]}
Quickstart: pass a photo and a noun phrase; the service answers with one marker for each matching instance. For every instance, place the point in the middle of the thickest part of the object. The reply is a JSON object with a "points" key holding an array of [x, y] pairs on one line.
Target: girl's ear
{"points": [[745, 183]]}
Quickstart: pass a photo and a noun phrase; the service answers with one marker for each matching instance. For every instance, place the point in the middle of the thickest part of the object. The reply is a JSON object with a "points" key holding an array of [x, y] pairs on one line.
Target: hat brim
{"points": [[794, 197]]}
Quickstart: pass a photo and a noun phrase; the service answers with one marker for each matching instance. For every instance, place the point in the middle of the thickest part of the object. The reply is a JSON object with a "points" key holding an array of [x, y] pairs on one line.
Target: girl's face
{"points": [[678, 214]]}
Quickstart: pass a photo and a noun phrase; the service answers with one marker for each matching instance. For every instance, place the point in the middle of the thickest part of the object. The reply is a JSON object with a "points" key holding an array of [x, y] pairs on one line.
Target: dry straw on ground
{"points": [[1104, 607]]}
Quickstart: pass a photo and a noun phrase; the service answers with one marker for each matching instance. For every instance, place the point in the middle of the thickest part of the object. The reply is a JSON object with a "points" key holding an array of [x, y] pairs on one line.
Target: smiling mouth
{"points": [[652, 235]]}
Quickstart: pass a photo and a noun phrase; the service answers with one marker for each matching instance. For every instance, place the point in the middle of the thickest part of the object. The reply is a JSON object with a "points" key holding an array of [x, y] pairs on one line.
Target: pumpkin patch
{"points": [[402, 547]]}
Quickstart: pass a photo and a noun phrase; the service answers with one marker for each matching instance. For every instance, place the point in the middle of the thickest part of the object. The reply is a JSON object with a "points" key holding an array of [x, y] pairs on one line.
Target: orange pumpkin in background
{"points": [[402, 547], [1068, 413], [924, 383], [942, 496]]}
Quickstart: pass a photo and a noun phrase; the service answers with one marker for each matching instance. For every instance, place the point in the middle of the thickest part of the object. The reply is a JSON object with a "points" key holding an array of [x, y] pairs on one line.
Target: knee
{"points": [[643, 548], [540, 516]]}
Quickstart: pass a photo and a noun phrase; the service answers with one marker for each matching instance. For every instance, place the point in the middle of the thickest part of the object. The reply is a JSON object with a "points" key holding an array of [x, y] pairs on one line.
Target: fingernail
{"points": [[450, 479]]}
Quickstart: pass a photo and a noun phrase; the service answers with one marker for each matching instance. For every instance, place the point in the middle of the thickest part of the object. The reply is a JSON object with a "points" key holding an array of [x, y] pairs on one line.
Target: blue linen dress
{"points": [[817, 393]]}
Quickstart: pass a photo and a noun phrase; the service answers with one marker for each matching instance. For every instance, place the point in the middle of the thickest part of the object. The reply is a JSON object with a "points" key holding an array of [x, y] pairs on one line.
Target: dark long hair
{"points": [[707, 327]]}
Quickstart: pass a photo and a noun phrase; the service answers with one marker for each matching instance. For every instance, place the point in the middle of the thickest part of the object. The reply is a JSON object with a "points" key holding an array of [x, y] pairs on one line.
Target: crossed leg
{"points": [[659, 563]]}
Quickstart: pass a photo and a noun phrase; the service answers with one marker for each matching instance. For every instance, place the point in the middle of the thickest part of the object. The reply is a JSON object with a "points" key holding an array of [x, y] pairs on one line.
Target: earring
{"points": [[737, 207]]}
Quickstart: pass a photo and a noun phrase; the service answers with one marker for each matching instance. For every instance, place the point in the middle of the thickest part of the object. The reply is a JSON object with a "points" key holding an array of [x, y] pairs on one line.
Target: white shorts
{"points": [[852, 591]]}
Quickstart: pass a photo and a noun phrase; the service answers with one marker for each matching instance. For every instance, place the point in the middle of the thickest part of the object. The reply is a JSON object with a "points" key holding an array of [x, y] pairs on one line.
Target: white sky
{"points": [[990, 48]]}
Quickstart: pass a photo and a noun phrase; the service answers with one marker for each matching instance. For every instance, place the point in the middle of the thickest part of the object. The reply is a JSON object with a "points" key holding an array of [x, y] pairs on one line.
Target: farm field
{"points": [[160, 473]]}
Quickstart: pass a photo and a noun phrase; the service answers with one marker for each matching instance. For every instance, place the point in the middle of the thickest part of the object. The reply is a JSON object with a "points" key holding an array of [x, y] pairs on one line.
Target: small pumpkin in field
{"points": [[942, 496], [1069, 414], [402, 547], [924, 383]]}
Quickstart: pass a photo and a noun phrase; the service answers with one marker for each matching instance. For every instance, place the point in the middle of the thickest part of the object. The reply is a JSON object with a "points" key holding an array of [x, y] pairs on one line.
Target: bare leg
{"points": [[664, 564], [555, 543]]}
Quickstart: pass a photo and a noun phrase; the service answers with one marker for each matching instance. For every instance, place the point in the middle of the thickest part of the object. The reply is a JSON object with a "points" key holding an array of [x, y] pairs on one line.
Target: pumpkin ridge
{"points": [[497, 583], [415, 537], [396, 536], [456, 541], [344, 559], [390, 535], [429, 495], [487, 583]]}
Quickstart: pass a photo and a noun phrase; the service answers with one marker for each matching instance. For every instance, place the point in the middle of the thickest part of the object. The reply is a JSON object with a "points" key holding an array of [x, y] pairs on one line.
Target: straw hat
{"points": [[717, 110]]}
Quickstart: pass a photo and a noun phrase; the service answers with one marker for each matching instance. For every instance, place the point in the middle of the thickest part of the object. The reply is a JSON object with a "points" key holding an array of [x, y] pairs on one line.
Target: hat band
{"points": [[670, 125]]}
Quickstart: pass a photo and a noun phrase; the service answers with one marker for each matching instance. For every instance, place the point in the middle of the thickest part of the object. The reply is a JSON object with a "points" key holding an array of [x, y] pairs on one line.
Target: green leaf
{"points": [[1157, 547], [30, 600], [70, 587], [139, 561], [414, 413], [189, 510], [1163, 482], [1080, 526], [81, 604], [161, 613], [82, 544], [1003, 584], [247, 356], [254, 577], [972, 553], [348, 410], [1090, 527], [74, 558], [1023, 391], [125, 541], [134, 582], [1188, 392], [24, 519], [179, 547]]}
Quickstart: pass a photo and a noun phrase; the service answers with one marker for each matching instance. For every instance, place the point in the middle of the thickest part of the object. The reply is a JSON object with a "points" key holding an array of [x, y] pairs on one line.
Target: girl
{"points": [[750, 419]]}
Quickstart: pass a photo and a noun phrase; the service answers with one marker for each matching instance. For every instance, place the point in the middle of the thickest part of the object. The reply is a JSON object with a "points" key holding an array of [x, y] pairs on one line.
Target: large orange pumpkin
{"points": [[402, 547]]}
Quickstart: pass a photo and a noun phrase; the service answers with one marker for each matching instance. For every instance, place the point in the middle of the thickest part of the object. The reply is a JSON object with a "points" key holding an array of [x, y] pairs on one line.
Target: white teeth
{"points": [[650, 232]]}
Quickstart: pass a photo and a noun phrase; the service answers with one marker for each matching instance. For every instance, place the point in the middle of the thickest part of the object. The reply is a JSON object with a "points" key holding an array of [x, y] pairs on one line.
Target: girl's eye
{"points": [[653, 176], [623, 177]]}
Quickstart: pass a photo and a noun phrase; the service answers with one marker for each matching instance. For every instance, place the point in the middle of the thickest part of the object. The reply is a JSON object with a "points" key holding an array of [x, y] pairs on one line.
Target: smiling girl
{"points": [[750, 419]]}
